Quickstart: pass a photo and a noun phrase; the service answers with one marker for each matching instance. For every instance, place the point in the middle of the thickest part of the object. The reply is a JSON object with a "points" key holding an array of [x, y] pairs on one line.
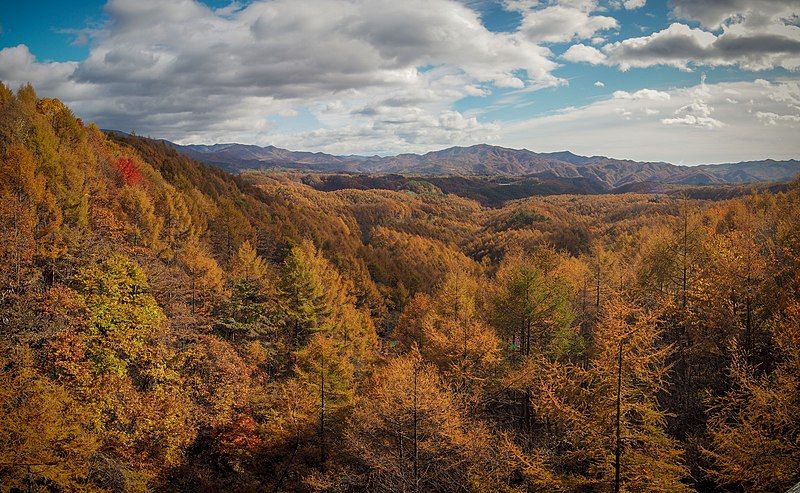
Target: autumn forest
{"points": [[168, 326]]}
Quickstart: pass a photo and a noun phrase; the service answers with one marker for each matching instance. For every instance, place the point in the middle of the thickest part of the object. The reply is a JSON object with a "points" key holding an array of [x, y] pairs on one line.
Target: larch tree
{"points": [[450, 332], [206, 280], [45, 433], [22, 189], [532, 309], [325, 371], [600, 426], [755, 427], [408, 433], [628, 355]]}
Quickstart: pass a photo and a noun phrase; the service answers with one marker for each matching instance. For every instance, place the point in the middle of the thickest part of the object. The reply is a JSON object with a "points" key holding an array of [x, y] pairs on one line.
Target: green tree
{"points": [[301, 294], [532, 309], [248, 311]]}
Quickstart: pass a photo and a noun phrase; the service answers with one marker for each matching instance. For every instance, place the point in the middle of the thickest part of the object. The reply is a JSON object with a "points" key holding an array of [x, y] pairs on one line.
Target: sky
{"points": [[683, 81]]}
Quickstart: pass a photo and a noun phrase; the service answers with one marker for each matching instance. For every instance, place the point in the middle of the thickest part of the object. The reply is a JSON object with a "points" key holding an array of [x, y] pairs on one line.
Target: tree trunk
{"points": [[597, 296], [416, 449], [618, 451], [685, 253], [322, 451]]}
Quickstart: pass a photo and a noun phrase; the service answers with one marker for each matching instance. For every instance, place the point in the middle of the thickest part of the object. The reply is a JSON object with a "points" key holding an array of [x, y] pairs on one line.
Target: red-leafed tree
{"points": [[129, 171]]}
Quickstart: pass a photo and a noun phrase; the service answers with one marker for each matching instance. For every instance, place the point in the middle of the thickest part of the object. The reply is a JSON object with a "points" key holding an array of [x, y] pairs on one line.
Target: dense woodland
{"points": [[167, 326]]}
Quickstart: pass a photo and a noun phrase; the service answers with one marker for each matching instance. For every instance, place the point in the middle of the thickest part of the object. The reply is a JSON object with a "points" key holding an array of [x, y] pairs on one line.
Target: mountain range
{"points": [[602, 173]]}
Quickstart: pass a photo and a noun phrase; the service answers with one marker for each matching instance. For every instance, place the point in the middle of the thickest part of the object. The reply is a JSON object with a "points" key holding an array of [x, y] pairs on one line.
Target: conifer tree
{"points": [[605, 418], [301, 294], [532, 309], [206, 280], [45, 433], [755, 427], [248, 310], [325, 371], [450, 332], [409, 434]]}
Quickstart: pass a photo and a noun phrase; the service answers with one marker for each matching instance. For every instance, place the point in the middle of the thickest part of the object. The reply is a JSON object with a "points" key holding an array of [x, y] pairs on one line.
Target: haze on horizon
{"points": [[682, 81]]}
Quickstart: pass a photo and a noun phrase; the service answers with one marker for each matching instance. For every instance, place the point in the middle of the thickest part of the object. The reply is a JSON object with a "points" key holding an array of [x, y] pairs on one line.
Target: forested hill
{"points": [[486, 160], [168, 326]]}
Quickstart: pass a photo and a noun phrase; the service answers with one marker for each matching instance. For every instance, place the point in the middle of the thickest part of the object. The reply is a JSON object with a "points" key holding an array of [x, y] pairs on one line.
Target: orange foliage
{"points": [[197, 330]]}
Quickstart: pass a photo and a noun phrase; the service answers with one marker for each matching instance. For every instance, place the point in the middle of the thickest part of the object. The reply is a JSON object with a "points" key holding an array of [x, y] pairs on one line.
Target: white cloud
{"points": [[599, 83], [632, 128], [755, 35], [52, 77], [692, 116], [714, 13], [623, 112], [788, 92], [770, 118], [582, 53], [642, 94], [627, 4], [633, 4], [563, 21], [383, 75], [183, 71]]}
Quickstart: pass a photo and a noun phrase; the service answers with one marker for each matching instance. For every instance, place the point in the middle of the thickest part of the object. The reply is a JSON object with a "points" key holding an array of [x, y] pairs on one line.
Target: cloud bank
{"points": [[185, 71], [385, 76], [706, 123], [750, 34]]}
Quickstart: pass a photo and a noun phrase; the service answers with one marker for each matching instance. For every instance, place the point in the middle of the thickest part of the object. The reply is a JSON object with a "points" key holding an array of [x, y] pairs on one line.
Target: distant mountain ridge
{"points": [[488, 160]]}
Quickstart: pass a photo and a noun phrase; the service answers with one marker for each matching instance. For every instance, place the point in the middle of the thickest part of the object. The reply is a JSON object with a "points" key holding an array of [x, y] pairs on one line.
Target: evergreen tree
{"points": [[301, 294], [532, 310]]}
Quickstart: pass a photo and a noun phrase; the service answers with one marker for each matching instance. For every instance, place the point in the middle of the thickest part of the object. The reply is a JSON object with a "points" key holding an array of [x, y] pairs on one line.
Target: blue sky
{"points": [[626, 78]]}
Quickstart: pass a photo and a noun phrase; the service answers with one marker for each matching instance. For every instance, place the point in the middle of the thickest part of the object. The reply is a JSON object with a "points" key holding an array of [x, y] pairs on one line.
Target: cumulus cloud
{"points": [[633, 4], [787, 96], [770, 118], [788, 93], [52, 77], [582, 53], [187, 72], [714, 13], [755, 35], [749, 34], [632, 128], [599, 83], [383, 76], [682, 46], [627, 4], [563, 21], [697, 113]]}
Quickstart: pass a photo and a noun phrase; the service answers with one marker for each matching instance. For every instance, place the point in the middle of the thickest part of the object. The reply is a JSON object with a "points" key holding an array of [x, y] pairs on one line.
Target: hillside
{"points": [[168, 326], [487, 160]]}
